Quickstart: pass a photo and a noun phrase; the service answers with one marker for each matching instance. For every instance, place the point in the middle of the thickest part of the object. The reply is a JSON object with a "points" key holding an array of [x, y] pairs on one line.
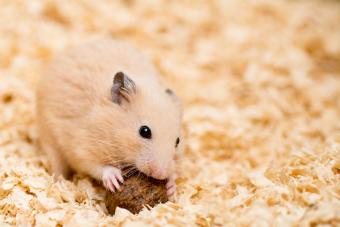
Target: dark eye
{"points": [[177, 142], [145, 132]]}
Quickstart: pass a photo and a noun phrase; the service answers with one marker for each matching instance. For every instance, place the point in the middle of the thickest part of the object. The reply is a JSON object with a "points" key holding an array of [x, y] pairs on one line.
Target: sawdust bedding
{"points": [[261, 89]]}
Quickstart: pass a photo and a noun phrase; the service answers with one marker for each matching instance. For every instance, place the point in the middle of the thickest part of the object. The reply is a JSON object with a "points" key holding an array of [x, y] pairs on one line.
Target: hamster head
{"points": [[153, 116]]}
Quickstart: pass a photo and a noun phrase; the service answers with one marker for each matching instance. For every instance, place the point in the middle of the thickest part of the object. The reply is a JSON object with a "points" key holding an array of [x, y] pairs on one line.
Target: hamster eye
{"points": [[145, 132], [177, 142]]}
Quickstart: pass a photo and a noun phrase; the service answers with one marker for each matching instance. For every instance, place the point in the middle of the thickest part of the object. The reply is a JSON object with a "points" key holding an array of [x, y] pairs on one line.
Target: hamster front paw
{"points": [[171, 185], [111, 178]]}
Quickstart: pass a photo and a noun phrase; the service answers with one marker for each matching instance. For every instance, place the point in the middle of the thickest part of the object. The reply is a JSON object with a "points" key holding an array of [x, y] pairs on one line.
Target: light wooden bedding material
{"points": [[260, 82]]}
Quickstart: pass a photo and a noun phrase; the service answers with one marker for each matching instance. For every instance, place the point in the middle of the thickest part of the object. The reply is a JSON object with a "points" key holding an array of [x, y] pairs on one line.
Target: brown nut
{"points": [[136, 192]]}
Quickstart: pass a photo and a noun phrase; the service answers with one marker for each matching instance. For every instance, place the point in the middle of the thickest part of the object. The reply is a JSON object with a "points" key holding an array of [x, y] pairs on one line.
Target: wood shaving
{"points": [[261, 91]]}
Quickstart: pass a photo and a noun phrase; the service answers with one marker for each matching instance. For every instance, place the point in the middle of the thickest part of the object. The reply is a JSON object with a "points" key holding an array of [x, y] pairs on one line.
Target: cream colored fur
{"points": [[82, 129]]}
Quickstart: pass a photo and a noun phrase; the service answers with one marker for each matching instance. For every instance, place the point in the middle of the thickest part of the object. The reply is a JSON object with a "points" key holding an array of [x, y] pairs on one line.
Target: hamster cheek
{"points": [[142, 161]]}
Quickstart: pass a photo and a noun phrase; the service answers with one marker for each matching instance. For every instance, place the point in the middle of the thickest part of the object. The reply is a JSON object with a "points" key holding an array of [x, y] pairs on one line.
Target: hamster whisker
{"points": [[130, 170], [139, 173]]}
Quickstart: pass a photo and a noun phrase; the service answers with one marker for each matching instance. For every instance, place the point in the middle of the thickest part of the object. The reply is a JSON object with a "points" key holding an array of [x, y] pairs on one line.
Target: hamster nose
{"points": [[157, 172]]}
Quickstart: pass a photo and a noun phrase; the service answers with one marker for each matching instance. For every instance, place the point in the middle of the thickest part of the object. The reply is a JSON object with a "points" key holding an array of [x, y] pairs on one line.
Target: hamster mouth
{"points": [[158, 174], [133, 171]]}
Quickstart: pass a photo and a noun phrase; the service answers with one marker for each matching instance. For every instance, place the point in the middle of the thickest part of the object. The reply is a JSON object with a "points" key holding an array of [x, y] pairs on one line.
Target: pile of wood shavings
{"points": [[260, 82]]}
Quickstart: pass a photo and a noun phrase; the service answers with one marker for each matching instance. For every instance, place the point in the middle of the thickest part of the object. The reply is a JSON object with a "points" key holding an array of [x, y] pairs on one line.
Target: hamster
{"points": [[101, 107]]}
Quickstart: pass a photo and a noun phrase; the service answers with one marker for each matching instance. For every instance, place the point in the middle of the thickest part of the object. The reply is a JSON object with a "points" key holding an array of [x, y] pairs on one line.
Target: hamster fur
{"points": [[91, 104]]}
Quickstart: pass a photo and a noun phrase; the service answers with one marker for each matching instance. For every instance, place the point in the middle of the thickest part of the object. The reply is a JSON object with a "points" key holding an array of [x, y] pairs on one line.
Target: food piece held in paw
{"points": [[137, 191]]}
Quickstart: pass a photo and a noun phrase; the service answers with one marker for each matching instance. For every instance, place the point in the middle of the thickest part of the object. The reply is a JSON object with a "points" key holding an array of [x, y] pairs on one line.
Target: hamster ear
{"points": [[172, 94], [175, 98], [122, 88]]}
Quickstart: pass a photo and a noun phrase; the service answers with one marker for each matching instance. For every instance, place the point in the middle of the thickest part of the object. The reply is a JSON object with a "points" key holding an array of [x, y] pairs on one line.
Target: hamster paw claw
{"points": [[171, 185], [171, 190], [111, 178]]}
